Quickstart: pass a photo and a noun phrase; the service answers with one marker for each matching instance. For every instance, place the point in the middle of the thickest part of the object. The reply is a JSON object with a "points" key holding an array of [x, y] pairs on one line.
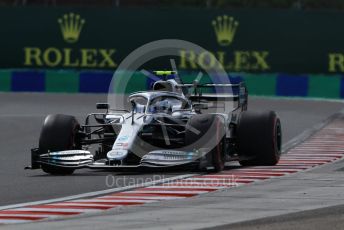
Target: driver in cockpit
{"points": [[163, 106]]}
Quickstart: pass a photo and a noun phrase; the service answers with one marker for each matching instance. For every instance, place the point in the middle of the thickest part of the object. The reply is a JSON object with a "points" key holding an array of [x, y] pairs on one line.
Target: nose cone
{"points": [[117, 154]]}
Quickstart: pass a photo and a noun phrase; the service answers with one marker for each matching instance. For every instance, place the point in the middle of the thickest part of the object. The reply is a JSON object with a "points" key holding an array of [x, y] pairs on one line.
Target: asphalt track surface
{"points": [[21, 117], [324, 218]]}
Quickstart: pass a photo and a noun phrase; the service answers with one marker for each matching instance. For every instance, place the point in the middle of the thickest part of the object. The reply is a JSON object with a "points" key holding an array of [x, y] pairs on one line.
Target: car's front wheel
{"points": [[207, 131], [59, 133]]}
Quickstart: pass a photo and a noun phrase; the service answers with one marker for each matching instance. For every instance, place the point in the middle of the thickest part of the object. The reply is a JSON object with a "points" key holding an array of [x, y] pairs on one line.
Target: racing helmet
{"points": [[163, 106]]}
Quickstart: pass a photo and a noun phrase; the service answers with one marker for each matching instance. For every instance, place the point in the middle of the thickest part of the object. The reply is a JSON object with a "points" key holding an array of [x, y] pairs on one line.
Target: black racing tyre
{"points": [[210, 134], [259, 138], [58, 134]]}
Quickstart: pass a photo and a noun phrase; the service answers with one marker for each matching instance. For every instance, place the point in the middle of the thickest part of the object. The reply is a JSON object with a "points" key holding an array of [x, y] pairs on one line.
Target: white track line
{"points": [[146, 197], [111, 201], [81, 204], [57, 210], [189, 187], [8, 221], [30, 215], [177, 192]]}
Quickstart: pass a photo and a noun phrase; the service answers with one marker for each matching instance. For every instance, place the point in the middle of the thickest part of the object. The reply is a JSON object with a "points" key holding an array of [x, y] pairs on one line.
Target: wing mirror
{"points": [[200, 106], [102, 106]]}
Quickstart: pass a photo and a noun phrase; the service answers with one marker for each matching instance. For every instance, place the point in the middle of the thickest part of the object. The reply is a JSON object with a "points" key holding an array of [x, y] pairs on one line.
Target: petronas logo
{"points": [[71, 25], [225, 28]]}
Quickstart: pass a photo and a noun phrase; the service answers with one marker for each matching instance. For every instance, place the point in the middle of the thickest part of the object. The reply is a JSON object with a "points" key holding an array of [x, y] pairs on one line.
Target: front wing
{"points": [[154, 160]]}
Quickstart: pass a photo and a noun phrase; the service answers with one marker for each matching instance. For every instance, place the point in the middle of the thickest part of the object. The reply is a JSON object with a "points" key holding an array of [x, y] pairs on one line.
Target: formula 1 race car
{"points": [[173, 126]]}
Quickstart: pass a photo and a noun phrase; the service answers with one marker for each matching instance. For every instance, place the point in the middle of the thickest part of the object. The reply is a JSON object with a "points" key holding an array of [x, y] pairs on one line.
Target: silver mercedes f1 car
{"points": [[172, 126]]}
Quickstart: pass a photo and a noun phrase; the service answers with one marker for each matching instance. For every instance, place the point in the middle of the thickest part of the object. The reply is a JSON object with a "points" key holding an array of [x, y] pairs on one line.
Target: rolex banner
{"points": [[241, 40]]}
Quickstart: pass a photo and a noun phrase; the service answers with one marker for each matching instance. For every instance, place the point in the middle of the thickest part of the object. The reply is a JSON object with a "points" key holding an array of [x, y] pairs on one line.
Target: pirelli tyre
{"points": [[58, 134], [259, 138], [207, 131]]}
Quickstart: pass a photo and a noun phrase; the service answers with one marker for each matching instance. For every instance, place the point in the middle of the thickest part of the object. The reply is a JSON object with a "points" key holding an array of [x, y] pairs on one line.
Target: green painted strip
{"points": [[127, 82], [261, 84], [5, 80], [324, 86], [138, 82], [62, 81], [188, 79], [202, 79]]}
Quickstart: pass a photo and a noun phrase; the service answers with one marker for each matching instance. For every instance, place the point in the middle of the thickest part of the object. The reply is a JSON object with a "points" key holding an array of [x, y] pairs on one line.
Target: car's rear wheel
{"points": [[207, 131], [259, 138], [58, 134]]}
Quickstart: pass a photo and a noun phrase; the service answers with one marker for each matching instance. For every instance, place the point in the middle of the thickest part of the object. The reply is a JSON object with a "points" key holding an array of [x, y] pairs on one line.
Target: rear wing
{"points": [[206, 93]]}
